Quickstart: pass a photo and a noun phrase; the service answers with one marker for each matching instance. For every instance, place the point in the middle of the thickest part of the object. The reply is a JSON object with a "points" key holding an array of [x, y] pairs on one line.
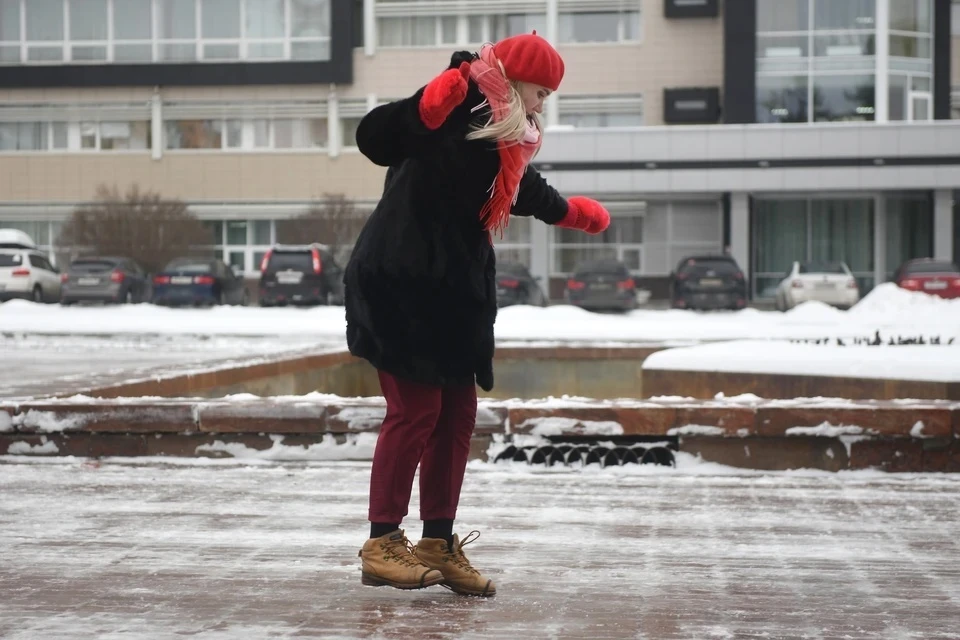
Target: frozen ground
{"points": [[49, 343], [229, 550], [39, 364]]}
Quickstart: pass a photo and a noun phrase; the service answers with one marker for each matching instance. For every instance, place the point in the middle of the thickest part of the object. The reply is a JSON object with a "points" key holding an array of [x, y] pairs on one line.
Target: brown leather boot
{"points": [[388, 561], [458, 574]]}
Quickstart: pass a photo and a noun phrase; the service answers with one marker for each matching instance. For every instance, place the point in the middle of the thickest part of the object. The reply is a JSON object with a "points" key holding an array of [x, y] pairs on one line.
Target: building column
{"points": [[881, 94], [740, 230], [369, 27], [552, 36], [943, 224], [540, 253], [334, 143]]}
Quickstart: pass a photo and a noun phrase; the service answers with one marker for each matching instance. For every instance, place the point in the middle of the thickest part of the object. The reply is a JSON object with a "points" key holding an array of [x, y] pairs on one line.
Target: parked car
{"points": [[198, 281], [938, 277], [708, 282], [602, 284], [515, 285], [104, 279], [25, 272], [828, 282], [306, 274]]}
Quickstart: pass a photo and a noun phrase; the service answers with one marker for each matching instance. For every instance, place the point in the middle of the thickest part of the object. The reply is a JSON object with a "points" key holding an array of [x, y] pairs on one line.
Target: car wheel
{"points": [[37, 294]]}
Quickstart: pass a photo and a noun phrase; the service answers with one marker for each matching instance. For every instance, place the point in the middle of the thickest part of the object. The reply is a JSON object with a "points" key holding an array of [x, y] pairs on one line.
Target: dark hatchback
{"points": [[198, 281], [708, 282], [104, 279], [515, 285], [602, 285], [300, 275]]}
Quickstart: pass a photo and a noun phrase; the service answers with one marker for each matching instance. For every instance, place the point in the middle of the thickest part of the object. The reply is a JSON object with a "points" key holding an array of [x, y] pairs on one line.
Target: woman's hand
{"points": [[442, 95], [585, 214]]}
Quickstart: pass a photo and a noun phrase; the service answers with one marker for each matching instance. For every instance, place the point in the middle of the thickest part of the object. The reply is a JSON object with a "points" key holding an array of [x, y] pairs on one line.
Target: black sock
{"points": [[442, 529], [378, 529]]}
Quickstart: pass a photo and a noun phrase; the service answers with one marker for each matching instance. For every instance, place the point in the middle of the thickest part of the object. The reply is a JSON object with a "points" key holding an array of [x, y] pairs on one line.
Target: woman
{"points": [[421, 288]]}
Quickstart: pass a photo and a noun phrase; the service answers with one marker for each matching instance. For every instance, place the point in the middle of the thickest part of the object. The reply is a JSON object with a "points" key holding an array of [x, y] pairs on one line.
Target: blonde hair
{"points": [[513, 126]]}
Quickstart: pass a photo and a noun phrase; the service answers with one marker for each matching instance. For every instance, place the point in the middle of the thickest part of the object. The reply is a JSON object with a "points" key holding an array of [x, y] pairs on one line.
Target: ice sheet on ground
{"points": [[231, 550]]}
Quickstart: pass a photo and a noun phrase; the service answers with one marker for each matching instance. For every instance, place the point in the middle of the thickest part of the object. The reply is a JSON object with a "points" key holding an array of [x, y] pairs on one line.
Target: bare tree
{"points": [[335, 222], [138, 225]]}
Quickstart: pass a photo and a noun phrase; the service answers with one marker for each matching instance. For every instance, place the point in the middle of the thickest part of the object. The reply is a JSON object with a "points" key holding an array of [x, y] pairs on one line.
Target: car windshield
{"points": [[822, 267], [931, 267], [295, 261], [91, 266], [700, 266], [189, 266], [10, 259]]}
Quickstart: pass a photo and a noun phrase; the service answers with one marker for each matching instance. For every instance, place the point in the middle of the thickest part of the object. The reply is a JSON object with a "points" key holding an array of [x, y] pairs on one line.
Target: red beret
{"points": [[530, 58]]}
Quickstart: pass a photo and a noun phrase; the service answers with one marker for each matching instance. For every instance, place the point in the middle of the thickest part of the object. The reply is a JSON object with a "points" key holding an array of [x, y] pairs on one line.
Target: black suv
{"points": [[300, 274], [708, 282]]}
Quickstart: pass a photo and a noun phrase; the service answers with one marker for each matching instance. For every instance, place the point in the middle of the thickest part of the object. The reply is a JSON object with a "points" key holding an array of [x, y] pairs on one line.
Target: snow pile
{"points": [[909, 362]]}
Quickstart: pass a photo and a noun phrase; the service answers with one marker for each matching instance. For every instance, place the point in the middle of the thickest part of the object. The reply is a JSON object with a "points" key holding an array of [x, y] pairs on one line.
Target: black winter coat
{"points": [[420, 286]]}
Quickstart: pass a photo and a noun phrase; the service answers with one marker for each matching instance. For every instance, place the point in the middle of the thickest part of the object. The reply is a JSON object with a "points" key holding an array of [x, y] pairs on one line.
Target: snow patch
{"points": [[696, 430], [917, 430], [48, 422], [361, 418], [357, 446], [826, 429], [25, 448], [6, 422], [559, 426]]}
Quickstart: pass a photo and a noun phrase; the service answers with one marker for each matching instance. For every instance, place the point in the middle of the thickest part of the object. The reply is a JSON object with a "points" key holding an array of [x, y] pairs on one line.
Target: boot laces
{"points": [[399, 551], [457, 556]]}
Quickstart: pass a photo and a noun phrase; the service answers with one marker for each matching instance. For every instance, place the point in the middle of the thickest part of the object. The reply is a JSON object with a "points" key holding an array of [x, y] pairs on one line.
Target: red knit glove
{"points": [[442, 95], [585, 214]]}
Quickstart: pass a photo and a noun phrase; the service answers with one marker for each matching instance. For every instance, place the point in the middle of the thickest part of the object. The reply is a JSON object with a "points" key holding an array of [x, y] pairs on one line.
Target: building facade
{"points": [[772, 129]]}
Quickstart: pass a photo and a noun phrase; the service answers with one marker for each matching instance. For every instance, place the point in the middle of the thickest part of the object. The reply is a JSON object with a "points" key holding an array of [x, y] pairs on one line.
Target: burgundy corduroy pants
{"points": [[426, 425]]}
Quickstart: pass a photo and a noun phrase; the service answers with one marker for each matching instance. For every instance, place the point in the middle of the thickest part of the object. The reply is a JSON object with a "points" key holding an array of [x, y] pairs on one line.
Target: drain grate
{"points": [[605, 454]]}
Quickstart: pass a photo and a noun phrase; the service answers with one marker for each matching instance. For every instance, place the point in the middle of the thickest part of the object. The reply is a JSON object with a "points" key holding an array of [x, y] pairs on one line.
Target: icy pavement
{"points": [[228, 550], [40, 365]]}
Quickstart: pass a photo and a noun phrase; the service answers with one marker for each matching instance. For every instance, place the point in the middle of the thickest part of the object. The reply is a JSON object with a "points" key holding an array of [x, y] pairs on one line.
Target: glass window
{"points": [[414, 31], [843, 97], [215, 228], [265, 19], [476, 26], [23, 136], [912, 15], [843, 44], [782, 15], [780, 238], [44, 20], [221, 52], [9, 54], [845, 14], [237, 259], [45, 54], [232, 133], [88, 19], [782, 99], [909, 226], [60, 140], [177, 19], [193, 134], [448, 29], [310, 18], [897, 97], [132, 20], [88, 53], [177, 52], [237, 232], [261, 134], [842, 230], [264, 50], [348, 128], [515, 24], [783, 46], [124, 135], [220, 18], [612, 26], [299, 134], [88, 135], [261, 232], [911, 47], [310, 51], [132, 53], [10, 20]]}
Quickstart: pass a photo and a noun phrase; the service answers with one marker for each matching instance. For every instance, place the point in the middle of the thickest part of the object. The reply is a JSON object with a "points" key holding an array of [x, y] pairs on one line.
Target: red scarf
{"points": [[514, 156]]}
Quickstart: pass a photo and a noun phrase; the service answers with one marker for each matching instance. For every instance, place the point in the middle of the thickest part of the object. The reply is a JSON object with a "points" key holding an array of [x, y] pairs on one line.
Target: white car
{"points": [[26, 272], [828, 282]]}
